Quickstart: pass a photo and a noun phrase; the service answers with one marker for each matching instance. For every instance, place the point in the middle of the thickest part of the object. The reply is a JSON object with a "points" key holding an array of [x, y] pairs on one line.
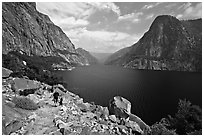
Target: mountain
{"points": [[117, 56], [31, 33], [169, 44], [101, 57], [88, 58]]}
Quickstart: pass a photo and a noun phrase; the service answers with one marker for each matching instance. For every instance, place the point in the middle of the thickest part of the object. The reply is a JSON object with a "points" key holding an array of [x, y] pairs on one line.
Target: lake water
{"points": [[153, 94]]}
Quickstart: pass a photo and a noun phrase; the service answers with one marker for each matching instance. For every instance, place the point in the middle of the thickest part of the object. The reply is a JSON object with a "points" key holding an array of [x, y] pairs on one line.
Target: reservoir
{"points": [[153, 94]]}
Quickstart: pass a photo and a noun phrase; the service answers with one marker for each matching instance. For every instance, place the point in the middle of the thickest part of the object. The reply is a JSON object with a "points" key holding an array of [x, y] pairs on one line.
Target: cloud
{"points": [[77, 9], [169, 6], [150, 6], [109, 6], [134, 17], [70, 22], [179, 16], [74, 14], [191, 12], [149, 16], [184, 6], [101, 40]]}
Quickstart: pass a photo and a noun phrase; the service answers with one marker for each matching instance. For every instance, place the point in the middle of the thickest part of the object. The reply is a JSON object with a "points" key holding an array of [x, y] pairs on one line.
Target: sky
{"points": [[106, 27]]}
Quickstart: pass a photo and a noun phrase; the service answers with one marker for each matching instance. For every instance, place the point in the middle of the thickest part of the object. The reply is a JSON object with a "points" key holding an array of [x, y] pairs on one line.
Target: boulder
{"points": [[34, 98], [141, 123], [120, 107], [61, 87], [113, 118], [134, 126], [6, 72], [104, 112]]}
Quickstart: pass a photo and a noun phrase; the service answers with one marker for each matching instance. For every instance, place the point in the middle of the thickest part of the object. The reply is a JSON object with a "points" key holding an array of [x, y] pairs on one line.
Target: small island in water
{"points": [[134, 72]]}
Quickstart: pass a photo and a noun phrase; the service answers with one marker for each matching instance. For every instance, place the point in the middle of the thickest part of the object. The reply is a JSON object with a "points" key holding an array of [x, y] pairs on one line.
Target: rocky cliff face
{"points": [[169, 44], [88, 58], [30, 32]]}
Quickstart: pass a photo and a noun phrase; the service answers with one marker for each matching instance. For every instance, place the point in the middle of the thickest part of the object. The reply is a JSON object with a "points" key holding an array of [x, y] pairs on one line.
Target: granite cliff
{"points": [[29, 32], [169, 44]]}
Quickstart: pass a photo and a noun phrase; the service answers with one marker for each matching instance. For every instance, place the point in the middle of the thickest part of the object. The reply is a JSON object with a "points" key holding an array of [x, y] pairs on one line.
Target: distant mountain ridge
{"points": [[101, 57], [169, 44], [88, 58]]}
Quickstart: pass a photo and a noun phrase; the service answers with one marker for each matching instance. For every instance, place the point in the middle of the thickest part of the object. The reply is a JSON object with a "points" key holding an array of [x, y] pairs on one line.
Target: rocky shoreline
{"points": [[74, 117]]}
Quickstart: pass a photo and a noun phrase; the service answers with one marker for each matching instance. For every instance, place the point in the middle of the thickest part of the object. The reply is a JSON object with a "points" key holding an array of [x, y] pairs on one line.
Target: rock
{"points": [[56, 133], [6, 72], [30, 32], [122, 127], [134, 126], [85, 131], [13, 126], [34, 98], [80, 101], [74, 112], [61, 88], [39, 92], [120, 107], [59, 91], [42, 131], [67, 132], [22, 83], [82, 107], [51, 129], [169, 44], [63, 108], [143, 126], [105, 111], [113, 118], [33, 117]]}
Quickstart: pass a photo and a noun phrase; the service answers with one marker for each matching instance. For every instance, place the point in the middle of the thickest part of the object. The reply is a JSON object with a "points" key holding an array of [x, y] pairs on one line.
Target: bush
{"points": [[187, 121], [26, 92], [188, 118], [37, 68], [160, 128], [24, 103]]}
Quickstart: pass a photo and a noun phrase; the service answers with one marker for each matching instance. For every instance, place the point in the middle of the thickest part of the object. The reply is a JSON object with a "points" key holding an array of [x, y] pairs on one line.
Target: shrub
{"points": [[188, 118], [187, 121], [26, 92], [24, 103], [35, 68], [160, 128]]}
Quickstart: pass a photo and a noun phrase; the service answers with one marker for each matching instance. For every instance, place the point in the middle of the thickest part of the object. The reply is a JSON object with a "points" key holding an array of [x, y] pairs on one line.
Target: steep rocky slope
{"points": [[31, 33], [28, 109], [116, 57], [169, 44], [88, 58]]}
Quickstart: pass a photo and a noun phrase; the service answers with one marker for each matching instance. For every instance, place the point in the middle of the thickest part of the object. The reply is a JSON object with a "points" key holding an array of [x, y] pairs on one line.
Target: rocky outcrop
{"points": [[31, 33], [121, 108], [6, 72], [88, 58], [169, 44], [73, 117]]}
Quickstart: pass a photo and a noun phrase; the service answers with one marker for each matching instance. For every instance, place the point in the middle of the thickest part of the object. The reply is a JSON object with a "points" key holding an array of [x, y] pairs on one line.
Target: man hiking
{"points": [[55, 99], [61, 101]]}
